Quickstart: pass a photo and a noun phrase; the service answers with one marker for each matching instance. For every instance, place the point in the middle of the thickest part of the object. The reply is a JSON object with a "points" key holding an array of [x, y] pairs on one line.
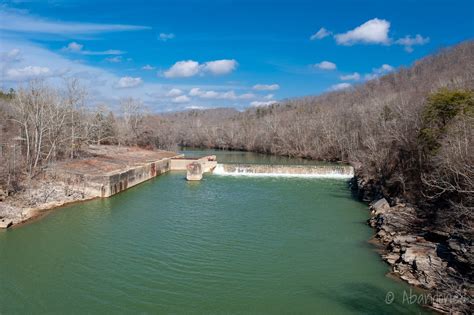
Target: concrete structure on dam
{"points": [[112, 169], [208, 163]]}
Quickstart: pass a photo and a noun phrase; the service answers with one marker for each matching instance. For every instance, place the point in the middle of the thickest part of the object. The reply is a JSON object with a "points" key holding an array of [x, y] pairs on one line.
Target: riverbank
{"points": [[429, 259], [40, 197]]}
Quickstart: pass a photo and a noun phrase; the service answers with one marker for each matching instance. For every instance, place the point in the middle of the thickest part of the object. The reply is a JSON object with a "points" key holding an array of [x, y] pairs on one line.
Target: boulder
{"points": [[426, 265], [391, 258], [380, 206], [5, 223]]}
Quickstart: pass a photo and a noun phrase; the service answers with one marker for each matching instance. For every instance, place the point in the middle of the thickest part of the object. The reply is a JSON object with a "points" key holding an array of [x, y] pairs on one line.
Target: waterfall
{"points": [[305, 171]]}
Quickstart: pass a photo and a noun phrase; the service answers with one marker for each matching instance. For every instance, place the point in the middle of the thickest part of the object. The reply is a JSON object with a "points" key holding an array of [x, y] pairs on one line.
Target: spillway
{"points": [[309, 171]]}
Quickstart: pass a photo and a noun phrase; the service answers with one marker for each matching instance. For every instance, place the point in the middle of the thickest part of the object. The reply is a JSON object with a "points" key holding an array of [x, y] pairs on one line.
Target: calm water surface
{"points": [[224, 245]]}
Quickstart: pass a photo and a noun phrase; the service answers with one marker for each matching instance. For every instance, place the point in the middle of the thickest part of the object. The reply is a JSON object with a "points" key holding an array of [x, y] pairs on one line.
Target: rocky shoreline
{"points": [[433, 260], [39, 198]]}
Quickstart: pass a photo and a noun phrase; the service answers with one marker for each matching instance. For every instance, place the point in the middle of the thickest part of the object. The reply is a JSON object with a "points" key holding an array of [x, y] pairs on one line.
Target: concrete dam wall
{"points": [[310, 171], [112, 169], [111, 184]]}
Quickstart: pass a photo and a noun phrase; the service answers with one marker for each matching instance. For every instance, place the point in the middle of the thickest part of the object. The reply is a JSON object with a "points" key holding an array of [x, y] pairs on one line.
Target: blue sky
{"points": [[176, 55]]}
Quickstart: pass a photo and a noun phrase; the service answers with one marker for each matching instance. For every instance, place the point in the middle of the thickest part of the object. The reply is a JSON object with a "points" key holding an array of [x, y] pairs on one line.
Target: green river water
{"points": [[225, 245]]}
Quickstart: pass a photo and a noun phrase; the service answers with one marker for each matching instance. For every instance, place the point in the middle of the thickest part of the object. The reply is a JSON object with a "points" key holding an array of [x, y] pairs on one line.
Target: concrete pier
{"points": [[194, 171]]}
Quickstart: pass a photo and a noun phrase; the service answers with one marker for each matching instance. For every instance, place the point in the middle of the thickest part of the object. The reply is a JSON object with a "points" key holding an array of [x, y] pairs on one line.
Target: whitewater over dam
{"points": [[310, 171]]}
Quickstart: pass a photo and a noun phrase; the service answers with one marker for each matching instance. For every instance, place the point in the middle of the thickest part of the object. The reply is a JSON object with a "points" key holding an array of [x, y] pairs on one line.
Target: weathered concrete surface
{"points": [[208, 163], [194, 171], [113, 169]]}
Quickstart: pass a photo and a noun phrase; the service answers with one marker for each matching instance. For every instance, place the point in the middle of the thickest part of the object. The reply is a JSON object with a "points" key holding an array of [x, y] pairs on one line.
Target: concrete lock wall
{"points": [[116, 183], [110, 183], [107, 185]]}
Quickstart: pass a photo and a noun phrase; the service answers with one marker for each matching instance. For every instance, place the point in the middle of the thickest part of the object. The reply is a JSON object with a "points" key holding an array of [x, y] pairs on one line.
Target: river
{"points": [[227, 244]]}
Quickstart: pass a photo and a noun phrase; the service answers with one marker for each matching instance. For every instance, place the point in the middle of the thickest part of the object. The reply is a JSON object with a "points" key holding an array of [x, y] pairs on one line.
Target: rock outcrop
{"points": [[441, 266], [41, 195]]}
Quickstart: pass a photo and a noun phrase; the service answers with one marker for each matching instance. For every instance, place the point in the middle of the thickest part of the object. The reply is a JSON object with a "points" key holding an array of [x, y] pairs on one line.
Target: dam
{"points": [[306, 171], [112, 169]]}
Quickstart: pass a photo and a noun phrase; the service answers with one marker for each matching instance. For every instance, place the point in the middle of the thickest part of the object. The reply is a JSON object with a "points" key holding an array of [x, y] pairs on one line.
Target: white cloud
{"points": [[13, 55], [164, 36], [326, 65], [208, 94], [77, 48], [183, 69], [269, 96], [247, 96], [16, 21], [230, 95], [384, 68], [196, 107], [181, 99], [28, 72], [148, 67], [102, 84], [348, 77], [322, 33], [377, 72], [174, 92], [73, 47], [219, 95], [340, 86], [408, 42], [195, 92], [115, 59], [219, 67], [129, 82], [260, 103], [266, 87], [374, 31], [189, 68]]}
